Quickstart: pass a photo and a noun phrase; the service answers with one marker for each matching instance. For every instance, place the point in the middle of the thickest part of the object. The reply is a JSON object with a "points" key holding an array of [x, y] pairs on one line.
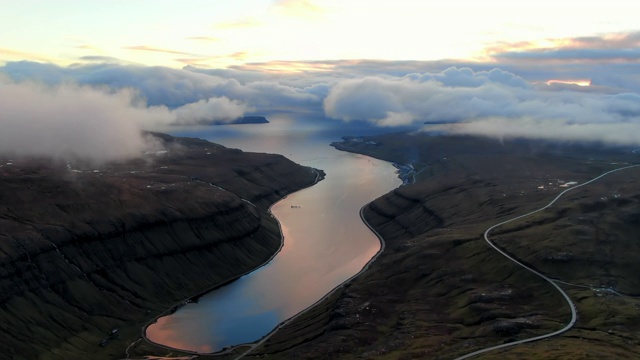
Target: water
{"points": [[325, 241]]}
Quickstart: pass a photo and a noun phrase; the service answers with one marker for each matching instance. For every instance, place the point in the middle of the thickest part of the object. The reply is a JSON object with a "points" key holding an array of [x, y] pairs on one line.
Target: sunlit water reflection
{"points": [[325, 241]]}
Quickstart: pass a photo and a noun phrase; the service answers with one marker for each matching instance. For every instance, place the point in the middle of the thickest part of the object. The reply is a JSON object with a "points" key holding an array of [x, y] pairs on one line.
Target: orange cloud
{"points": [[288, 66], [607, 41], [218, 60], [579, 82], [504, 47], [88, 47], [609, 46], [298, 8], [240, 23], [154, 49], [8, 54], [203, 38]]}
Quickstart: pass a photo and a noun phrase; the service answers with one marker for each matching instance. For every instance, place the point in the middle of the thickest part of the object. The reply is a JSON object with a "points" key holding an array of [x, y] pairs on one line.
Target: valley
{"points": [[90, 253], [440, 291]]}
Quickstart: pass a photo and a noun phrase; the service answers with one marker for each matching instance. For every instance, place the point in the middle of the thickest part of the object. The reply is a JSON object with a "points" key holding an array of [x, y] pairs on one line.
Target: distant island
{"points": [[243, 120]]}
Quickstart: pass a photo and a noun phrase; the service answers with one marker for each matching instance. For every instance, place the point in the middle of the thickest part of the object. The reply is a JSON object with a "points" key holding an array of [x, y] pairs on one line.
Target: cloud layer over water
{"points": [[72, 121], [68, 121], [169, 87], [491, 103], [98, 109]]}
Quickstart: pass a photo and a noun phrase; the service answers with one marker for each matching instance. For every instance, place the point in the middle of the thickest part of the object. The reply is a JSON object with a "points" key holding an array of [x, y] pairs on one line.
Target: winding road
{"points": [[194, 354], [553, 282], [574, 314]]}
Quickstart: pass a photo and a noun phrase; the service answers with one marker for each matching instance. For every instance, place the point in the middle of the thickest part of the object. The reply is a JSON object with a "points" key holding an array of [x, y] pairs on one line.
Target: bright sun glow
{"points": [[572, 82]]}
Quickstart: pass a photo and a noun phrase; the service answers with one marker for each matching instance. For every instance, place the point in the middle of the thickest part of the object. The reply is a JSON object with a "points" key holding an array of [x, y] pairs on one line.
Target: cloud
{"points": [[205, 60], [465, 77], [593, 44], [574, 54], [210, 110], [175, 87], [87, 47], [364, 99], [68, 121], [155, 49], [451, 95], [606, 46], [204, 38], [610, 76], [239, 24], [495, 103], [71, 121], [397, 119], [103, 59], [621, 133], [306, 9], [17, 55], [287, 67], [383, 93]]}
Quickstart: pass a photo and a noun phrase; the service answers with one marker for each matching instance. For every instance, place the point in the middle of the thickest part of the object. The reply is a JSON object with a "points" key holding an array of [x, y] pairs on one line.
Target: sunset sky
{"points": [[565, 70], [222, 33]]}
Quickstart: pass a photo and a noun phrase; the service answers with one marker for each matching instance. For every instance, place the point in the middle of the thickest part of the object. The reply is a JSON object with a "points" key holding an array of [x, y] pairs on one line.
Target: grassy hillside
{"points": [[87, 249], [439, 291]]}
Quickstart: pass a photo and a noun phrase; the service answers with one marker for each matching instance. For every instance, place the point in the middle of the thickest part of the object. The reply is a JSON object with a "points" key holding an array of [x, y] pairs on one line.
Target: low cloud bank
{"points": [[72, 121], [488, 101], [624, 133], [492, 103], [213, 109], [176, 87], [451, 95]]}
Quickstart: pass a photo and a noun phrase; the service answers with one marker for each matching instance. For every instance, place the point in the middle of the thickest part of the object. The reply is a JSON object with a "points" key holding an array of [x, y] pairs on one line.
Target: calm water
{"points": [[325, 242]]}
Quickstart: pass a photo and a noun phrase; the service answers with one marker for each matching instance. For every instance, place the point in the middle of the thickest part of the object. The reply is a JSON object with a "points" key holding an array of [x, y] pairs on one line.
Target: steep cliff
{"points": [[86, 250]]}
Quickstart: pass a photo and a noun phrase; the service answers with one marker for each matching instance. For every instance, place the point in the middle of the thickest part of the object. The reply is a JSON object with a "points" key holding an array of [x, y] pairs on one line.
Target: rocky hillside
{"points": [[89, 253]]}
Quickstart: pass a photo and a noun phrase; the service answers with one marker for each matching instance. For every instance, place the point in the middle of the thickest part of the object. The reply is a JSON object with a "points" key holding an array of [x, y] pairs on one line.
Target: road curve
{"points": [[574, 314]]}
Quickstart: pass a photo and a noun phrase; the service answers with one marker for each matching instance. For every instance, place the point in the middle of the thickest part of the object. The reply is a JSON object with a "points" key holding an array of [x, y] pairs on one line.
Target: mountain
{"points": [[89, 254], [439, 291]]}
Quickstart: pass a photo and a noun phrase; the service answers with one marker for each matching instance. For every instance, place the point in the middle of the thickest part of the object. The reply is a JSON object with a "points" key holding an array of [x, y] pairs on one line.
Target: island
{"points": [[242, 120]]}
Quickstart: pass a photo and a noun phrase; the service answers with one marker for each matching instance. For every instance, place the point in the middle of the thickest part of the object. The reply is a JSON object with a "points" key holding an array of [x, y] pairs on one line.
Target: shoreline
{"points": [[323, 298], [319, 177], [254, 345]]}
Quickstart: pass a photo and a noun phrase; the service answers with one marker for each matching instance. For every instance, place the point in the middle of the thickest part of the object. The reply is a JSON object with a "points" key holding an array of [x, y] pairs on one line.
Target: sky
{"points": [[221, 33], [544, 69]]}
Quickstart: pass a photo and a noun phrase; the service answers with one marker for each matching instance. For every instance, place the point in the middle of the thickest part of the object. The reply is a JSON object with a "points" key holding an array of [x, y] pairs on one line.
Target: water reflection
{"points": [[325, 241]]}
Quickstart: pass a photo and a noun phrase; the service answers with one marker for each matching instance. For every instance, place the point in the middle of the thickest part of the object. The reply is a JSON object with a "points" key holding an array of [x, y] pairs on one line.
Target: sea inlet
{"points": [[325, 241]]}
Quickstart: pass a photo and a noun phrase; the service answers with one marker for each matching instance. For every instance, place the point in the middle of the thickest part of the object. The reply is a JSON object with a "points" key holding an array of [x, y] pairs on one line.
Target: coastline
{"points": [[460, 290], [252, 346], [366, 266], [319, 177], [108, 247]]}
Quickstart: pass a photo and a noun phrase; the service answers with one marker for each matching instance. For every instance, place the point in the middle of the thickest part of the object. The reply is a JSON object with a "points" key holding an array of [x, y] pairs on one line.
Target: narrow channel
{"points": [[325, 243]]}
